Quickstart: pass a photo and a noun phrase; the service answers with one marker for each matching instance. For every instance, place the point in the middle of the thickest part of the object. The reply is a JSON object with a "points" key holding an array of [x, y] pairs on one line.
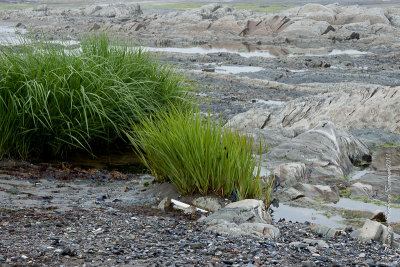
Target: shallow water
{"points": [[297, 214], [265, 53], [359, 174], [336, 52], [393, 214], [204, 51], [237, 69], [269, 102], [10, 35]]}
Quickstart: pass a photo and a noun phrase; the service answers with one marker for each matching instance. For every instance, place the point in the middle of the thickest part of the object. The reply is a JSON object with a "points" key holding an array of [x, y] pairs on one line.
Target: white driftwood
{"points": [[184, 206]]}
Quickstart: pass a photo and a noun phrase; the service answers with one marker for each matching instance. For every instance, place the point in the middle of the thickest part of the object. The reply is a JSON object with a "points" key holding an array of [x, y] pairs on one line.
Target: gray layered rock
{"points": [[358, 14], [327, 151], [379, 179], [325, 230], [318, 12], [291, 173], [243, 218], [207, 203], [111, 11], [361, 190], [386, 157], [323, 192], [305, 28], [376, 231], [371, 107]]}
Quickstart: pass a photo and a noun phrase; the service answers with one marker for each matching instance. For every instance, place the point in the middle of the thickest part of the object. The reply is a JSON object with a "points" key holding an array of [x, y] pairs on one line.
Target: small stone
{"points": [[371, 230], [100, 198], [215, 259], [235, 251], [196, 245], [297, 245], [312, 249], [165, 204], [379, 216], [94, 27], [208, 69], [24, 257], [207, 203], [315, 255], [67, 252], [308, 264], [362, 255]]}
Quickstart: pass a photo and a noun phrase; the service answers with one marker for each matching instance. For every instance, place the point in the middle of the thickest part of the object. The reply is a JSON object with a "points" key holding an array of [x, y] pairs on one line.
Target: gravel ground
{"points": [[120, 234]]}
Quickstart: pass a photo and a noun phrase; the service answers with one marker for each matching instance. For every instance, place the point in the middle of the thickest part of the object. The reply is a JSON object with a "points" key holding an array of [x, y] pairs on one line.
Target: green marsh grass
{"points": [[197, 155], [53, 101]]}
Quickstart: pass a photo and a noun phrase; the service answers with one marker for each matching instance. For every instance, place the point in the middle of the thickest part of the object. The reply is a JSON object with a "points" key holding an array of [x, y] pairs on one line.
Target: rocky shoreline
{"points": [[317, 84], [101, 225]]}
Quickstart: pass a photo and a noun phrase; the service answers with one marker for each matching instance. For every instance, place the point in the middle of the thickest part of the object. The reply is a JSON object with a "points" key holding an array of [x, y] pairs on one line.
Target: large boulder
{"points": [[305, 28], [358, 14], [317, 12], [114, 10], [320, 192], [243, 218], [395, 20], [378, 180], [376, 231], [386, 157], [327, 151], [361, 190]]}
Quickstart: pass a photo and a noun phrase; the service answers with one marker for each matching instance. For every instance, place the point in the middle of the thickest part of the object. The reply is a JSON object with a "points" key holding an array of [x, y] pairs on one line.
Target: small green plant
{"points": [[268, 190], [389, 145], [319, 200], [345, 193], [197, 154], [363, 198], [52, 100]]}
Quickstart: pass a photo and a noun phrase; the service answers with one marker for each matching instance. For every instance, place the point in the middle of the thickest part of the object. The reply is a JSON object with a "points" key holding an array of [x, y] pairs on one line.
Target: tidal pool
{"points": [[393, 214], [237, 69], [10, 35], [297, 214], [204, 51]]}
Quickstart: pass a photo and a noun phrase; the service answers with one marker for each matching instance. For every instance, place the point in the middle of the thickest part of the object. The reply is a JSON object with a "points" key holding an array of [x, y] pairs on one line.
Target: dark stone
{"points": [[329, 29], [354, 35], [101, 197], [67, 252], [308, 264]]}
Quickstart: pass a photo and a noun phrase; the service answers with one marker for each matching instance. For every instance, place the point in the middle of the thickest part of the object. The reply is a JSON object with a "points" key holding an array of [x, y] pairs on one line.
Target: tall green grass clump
{"points": [[53, 100], [197, 155]]}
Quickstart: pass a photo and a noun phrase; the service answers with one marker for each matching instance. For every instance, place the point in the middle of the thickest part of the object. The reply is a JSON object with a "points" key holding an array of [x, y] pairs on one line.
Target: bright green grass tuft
{"points": [[197, 155], [52, 100]]}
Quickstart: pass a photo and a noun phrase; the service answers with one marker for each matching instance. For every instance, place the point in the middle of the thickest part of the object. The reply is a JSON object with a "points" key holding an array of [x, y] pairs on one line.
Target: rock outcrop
{"points": [[243, 218], [372, 107], [326, 151]]}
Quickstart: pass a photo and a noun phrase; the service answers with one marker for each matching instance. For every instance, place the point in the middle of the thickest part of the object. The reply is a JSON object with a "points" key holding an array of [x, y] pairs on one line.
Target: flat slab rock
{"points": [[243, 218]]}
